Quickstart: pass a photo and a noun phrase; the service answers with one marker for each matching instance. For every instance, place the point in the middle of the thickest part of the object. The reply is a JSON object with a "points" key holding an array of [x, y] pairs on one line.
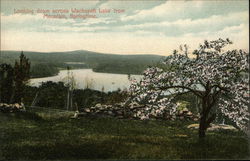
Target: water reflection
{"points": [[87, 78]]}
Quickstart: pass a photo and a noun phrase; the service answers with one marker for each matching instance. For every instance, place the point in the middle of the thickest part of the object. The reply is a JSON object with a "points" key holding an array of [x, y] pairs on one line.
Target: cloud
{"points": [[164, 10], [8, 7], [130, 6], [23, 18], [154, 28], [37, 22], [28, 22], [173, 10], [73, 29], [161, 24], [19, 18], [96, 21], [182, 27]]}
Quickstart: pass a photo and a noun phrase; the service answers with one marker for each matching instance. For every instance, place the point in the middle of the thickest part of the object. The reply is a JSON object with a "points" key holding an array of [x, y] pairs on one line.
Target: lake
{"points": [[97, 81]]}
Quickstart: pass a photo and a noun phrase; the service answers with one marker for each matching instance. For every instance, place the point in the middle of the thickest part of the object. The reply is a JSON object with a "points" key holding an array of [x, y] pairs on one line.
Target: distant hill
{"points": [[49, 63]]}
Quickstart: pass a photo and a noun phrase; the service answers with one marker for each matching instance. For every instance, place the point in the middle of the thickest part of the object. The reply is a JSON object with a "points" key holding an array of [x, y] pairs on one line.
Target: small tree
{"points": [[6, 82], [71, 85], [21, 77], [218, 78]]}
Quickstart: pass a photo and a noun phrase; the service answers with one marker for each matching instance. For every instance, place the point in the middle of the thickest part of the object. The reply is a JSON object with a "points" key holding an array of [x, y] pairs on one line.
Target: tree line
{"points": [[14, 79]]}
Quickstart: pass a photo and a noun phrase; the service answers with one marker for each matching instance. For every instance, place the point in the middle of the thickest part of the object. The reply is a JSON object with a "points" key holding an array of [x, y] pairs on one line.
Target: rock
{"points": [[17, 105], [189, 116], [185, 110], [98, 105], [105, 111], [189, 113], [119, 112], [167, 117], [180, 112], [110, 113], [228, 127], [214, 127], [82, 114], [75, 115], [122, 103], [221, 127], [108, 106], [118, 105], [195, 119], [103, 107], [119, 117], [12, 107], [131, 107], [115, 108], [87, 110], [193, 126]]}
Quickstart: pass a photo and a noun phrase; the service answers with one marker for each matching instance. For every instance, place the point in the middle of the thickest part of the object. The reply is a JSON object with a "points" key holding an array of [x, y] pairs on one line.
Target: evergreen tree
{"points": [[6, 82], [21, 77]]}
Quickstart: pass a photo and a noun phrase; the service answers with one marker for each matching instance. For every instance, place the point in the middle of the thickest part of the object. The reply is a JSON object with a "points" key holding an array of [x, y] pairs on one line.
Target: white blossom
{"points": [[225, 72]]}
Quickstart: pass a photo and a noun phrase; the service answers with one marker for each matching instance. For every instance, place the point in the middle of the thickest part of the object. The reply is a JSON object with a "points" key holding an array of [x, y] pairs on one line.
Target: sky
{"points": [[142, 27]]}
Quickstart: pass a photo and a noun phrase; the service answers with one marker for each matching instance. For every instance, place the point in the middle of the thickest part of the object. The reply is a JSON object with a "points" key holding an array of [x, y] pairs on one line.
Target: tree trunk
{"points": [[34, 100], [71, 100], [202, 127], [203, 120], [206, 117], [12, 95], [68, 100]]}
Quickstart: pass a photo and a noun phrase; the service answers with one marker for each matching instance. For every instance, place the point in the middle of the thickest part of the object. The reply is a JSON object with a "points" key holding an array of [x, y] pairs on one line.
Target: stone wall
{"points": [[9, 108], [120, 111]]}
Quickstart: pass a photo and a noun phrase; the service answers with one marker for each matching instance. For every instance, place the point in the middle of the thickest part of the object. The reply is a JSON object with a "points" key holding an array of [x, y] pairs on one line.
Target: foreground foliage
{"points": [[13, 80], [43, 136], [54, 95], [217, 77]]}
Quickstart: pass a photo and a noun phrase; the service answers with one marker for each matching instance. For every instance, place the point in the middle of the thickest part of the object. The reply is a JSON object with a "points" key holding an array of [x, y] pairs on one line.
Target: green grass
{"points": [[35, 136]]}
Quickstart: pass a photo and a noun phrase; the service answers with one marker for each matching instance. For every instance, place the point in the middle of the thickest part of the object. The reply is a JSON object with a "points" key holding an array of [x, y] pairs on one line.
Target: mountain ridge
{"points": [[80, 52], [45, 64]]}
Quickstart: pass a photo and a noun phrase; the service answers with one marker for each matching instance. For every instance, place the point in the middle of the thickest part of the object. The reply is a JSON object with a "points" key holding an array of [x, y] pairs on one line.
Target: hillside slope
{"points": [[49, 63]]}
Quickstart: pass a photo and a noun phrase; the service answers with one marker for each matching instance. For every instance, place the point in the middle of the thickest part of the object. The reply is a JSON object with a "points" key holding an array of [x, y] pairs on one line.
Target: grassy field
{"points": [[40, 136]]}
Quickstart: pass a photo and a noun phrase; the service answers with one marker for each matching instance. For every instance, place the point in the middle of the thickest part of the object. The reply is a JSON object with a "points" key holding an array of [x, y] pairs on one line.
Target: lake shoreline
{"points": [[96, 71], [87, 78]]}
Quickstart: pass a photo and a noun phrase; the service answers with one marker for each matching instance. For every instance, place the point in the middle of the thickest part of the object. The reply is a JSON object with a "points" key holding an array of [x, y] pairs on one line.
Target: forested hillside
{"points": [[47, 64]]}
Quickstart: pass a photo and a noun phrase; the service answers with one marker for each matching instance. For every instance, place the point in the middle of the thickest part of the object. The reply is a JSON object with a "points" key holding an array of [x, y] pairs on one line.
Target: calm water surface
{"points": [[97, 81]]}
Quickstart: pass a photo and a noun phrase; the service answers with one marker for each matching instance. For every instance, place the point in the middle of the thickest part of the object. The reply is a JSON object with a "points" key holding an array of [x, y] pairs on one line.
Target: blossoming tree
{"points": [[217, 77]]}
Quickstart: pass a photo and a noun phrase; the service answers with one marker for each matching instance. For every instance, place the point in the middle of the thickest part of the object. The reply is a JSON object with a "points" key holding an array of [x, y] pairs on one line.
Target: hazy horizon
{"points": [[77, 51]]}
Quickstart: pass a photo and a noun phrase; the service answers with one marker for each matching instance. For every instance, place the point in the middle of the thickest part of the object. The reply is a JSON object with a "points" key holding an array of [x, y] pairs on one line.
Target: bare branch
{"points": [[196, 92]]}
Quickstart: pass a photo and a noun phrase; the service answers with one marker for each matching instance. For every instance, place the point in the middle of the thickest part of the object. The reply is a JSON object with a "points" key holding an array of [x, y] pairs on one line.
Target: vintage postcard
{"points": [[123, 80]]}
